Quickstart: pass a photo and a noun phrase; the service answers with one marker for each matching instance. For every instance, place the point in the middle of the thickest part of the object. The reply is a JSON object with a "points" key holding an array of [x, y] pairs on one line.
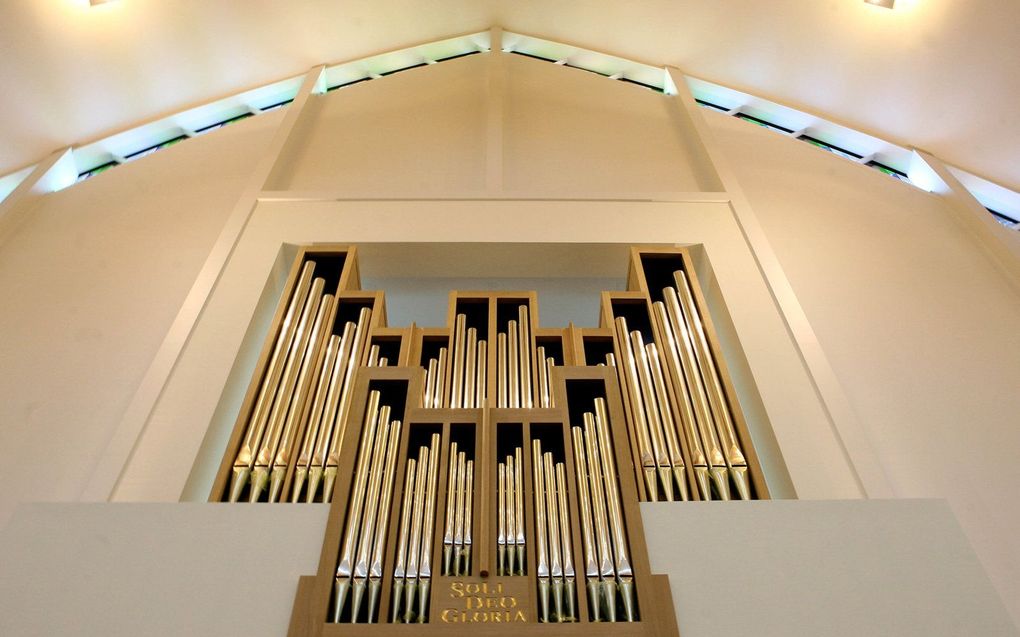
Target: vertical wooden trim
{"points": [[301, 621], [491, 383], [573, 346]]}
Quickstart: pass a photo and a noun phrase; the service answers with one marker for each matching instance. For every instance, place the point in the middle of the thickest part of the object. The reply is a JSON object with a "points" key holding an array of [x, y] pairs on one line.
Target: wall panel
{"points": [[92, 282], [920, 326]]}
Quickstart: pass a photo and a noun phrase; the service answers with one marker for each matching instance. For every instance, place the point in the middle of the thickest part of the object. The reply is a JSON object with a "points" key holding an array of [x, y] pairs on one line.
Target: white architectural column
{"points": [[53, 173], [858, 449], [121, 445], [494, 116], [1001, 244]]}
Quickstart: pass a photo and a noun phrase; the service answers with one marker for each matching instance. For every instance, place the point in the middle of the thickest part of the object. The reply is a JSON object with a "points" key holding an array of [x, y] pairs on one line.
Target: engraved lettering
{"points": [[481, 602]]}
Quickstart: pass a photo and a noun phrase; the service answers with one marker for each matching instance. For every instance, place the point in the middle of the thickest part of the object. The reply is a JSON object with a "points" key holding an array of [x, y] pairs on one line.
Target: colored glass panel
{"points": [[95, 171], [836, 150], [152, 149], [226, 122], [707, 104], [273, 107], [762, 123], [892, 172], [1002, 219]]}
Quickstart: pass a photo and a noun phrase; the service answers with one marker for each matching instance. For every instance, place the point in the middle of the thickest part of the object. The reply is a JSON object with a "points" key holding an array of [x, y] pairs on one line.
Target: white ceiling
{"points": [[943, 75]]}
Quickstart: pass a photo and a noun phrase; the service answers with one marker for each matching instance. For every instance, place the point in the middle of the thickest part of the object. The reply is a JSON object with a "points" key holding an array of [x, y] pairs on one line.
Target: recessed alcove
{"points": [[416, 280], [418, 277]]}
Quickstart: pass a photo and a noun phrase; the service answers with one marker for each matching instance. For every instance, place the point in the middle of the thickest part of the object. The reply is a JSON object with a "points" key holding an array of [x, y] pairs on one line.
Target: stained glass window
{"points": [[406, 68], [530, 55], [273, 107], [707, 104], [351, 83], [152, 149], [892, 172], [630, 81], [92, 172], [1003, 219], [762, 123], [458, 55], [836, 150]]}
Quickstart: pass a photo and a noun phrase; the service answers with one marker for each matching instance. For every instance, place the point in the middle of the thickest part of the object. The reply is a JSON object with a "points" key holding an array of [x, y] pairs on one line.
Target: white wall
{"points": [[846, 568], [921, 328], [90, 285], [155, 569], [838, 569], [563, 136], [421, 129], [424, 132], [179, 430]]}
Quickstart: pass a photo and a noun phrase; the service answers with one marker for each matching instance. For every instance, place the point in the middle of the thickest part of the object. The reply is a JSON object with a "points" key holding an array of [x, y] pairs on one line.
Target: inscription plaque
{"points": [[473, 600]]}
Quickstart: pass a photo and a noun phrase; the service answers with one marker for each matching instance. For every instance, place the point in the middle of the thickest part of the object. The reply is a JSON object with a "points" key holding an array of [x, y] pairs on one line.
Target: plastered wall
{"points": [[919, 326], [90, 284], [421, 130]]}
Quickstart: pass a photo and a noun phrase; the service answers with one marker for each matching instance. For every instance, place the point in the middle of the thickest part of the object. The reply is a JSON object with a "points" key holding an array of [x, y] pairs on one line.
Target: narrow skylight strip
{"points": [[145, 152], [334, 87], [273, 107], [347, 73], [657, 89], [92, 172], [204, 118], [221, 124], [840, 137], [533, 56], [875, 153], [715, 107], [892, 172], [832, 148], [455, 56], [617, 68], [760, 122], [847, 143], [1008, 222], [266, 97], [581, 68], [989, 194], [405, 68]]}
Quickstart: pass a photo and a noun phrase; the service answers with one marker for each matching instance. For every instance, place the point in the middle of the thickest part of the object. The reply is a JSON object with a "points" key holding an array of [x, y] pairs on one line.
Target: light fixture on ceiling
{"points": [[888, 4], [97, 2]]}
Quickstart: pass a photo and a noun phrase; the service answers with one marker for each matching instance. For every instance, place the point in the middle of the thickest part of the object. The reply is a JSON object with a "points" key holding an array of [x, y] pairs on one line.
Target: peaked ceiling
{"points": [[943, 75]]}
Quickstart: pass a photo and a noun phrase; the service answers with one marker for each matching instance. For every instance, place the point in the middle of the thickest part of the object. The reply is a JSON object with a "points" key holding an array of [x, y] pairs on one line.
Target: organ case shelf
{"points": [[641, 408]]}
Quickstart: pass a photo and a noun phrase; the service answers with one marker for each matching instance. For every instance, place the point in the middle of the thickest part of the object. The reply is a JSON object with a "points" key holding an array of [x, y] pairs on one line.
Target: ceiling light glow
{"points": [[888, 4]]}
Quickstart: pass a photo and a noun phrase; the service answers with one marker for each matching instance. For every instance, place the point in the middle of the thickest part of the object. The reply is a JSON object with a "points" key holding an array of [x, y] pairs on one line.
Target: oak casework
{"points": [[644, 402]]}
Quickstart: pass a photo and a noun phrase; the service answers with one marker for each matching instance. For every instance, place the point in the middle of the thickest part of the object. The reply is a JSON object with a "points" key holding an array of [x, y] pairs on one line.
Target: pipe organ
{"points": [[488, 471]]}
